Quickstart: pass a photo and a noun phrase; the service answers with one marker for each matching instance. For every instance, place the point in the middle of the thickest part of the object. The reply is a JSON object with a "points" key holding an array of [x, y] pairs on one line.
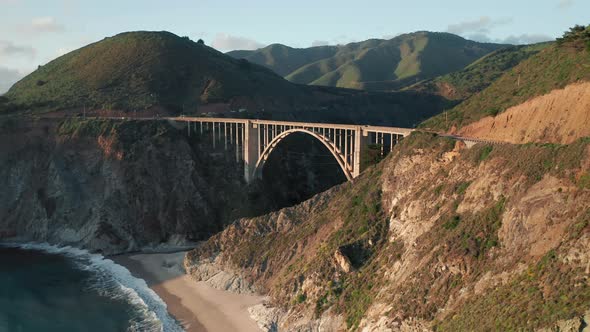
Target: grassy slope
{"points": [[427, 55], [284, 59], [480, 74], [378, 64], [311, 72], [404, 59], [142, 69], [553, 68]]}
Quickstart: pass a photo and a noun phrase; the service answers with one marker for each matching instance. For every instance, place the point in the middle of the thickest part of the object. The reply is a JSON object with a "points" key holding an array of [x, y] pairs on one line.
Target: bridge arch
{"points": [[268, 149]]}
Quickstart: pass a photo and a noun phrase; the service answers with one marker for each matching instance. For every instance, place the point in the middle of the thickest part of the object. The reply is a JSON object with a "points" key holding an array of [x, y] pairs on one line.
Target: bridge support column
{"points": [[361, 141], [250, 146]]}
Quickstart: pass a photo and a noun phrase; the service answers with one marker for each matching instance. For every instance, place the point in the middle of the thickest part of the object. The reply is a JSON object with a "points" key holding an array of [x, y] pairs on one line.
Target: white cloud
{"points": [[8, 77], [563, 4], [44, 24], [526, 39], [9, 49], [64, 50], [523, 39], [390, 36], [480, 37], [480, 29], [482, 25], [226, 42], [320, 43]]}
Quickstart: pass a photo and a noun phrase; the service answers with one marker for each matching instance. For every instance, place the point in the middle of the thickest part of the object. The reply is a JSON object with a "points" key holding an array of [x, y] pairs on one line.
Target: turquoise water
{"points": [[46, 288]]}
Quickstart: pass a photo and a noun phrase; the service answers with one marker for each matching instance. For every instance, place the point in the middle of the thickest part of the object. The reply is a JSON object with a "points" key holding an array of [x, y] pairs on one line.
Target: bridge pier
{"points": [[361, 141], [250, 150]]}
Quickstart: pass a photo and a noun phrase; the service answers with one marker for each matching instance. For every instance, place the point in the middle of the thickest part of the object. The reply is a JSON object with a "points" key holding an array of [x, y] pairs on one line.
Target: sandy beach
{"points": [[196, 305]]}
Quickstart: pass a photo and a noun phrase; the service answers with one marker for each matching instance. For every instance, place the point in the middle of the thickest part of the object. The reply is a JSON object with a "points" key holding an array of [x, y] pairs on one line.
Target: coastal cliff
{"points": [[436, 237], [116, 186]]}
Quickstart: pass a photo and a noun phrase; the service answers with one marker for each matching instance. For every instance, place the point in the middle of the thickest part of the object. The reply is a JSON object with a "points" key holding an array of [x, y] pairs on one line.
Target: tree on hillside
{"points": [[200, 42], [577, 32]]}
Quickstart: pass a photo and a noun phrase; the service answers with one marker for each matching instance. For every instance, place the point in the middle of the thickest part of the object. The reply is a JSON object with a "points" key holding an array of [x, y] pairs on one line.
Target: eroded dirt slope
{"points": [[561, 116]]}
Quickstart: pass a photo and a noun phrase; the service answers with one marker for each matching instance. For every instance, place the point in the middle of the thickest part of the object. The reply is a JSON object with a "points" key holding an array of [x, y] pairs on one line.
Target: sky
{"points": [[34, 32]]}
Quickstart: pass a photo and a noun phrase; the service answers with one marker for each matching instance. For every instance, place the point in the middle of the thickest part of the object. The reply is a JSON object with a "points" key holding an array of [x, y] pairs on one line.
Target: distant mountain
{"points": [[138, 70], [284, 59], [374, 64]]}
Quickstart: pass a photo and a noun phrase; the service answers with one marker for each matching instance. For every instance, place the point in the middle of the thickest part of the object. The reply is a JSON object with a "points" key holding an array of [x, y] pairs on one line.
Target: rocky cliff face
{"points": [[116, 186], [436, 237]]}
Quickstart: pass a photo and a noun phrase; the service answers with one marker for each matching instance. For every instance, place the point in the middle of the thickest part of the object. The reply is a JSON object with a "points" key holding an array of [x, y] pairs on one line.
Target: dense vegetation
{"points": [[373, 64], [554, 67], [576, 33]]}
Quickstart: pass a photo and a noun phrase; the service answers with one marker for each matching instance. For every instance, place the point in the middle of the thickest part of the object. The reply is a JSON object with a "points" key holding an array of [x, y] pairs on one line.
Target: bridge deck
{"points": [[367, 128]]}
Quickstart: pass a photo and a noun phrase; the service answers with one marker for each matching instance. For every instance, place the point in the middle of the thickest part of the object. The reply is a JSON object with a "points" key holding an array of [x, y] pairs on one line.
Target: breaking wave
{"points": [[115, 281]]}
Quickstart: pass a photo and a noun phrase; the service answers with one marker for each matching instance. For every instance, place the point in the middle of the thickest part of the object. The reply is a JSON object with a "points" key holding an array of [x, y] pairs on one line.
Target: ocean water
{"points": [[44, 288]]}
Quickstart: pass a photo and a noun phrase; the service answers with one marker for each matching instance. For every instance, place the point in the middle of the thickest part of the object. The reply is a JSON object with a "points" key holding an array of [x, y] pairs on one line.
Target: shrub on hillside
{"points": [[577, 32]]}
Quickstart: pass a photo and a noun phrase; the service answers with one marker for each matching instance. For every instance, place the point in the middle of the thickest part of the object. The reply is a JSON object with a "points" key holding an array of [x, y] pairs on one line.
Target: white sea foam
{"points": [[115, 281]]}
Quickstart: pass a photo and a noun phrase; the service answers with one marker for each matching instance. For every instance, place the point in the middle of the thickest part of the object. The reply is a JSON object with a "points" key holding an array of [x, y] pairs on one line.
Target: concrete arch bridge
{"points": [[255, 140]]}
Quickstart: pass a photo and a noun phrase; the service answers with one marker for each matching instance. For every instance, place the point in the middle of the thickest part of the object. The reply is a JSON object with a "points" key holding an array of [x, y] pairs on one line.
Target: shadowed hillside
{"points": [[374, 64]]}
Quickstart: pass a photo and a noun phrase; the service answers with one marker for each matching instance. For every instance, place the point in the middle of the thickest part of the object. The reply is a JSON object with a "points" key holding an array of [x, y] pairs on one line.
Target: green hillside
{"points": [[311, 72], [138, 70], [374, 64], [284, 59], [554, 67], [478, 75]]}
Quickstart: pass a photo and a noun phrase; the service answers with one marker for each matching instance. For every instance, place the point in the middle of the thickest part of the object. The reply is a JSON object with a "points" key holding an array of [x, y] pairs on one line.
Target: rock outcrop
{"points": [[113, 186], [436, 237]]}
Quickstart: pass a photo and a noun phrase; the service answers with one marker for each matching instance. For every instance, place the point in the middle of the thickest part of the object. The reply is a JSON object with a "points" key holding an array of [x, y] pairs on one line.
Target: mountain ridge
{"points": [[373, 64], [159, 73]]}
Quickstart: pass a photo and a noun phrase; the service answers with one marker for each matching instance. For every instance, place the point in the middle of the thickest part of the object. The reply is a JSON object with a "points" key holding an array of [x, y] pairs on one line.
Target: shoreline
{"points": [[197, 306]]}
